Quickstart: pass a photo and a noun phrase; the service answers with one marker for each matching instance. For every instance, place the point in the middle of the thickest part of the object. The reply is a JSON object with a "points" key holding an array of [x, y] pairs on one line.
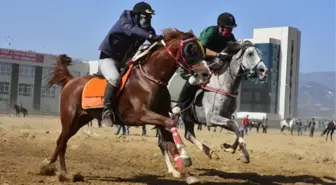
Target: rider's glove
{"points": [[153, 38], [223, 56]]}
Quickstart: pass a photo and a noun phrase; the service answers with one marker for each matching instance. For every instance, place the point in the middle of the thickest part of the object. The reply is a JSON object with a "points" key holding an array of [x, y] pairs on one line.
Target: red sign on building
{"points": [[21, 55]]}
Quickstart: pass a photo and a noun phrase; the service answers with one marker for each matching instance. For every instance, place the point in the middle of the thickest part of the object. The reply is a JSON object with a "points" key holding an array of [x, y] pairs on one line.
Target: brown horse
{"points": [[143, 99]]}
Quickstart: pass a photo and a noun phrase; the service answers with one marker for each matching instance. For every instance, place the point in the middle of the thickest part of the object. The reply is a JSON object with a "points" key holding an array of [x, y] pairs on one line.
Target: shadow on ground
{"points": [[255, 178], [152, 180]]}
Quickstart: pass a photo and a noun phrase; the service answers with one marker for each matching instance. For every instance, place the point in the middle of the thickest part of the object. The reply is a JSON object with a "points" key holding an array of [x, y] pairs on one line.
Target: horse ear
{"points": [[191, 31]]}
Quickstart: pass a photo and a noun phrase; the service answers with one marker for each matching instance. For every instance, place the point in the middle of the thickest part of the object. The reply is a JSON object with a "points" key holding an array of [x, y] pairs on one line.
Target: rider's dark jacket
{"points": [[125, 37], [213, 40]]}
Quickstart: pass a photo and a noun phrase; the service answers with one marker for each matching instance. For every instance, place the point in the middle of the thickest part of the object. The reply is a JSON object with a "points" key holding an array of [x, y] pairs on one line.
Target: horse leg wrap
{"points": [[186, 160], [178, 161]]}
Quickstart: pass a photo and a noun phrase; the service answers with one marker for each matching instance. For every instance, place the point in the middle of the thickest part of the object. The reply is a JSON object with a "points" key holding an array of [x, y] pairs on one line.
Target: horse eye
{"points": [[192, 49], [250, 54]]}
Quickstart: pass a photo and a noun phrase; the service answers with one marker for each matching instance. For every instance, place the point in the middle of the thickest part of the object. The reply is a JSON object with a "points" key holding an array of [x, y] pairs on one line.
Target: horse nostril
{"points": [[205, 75], [261, 70]]}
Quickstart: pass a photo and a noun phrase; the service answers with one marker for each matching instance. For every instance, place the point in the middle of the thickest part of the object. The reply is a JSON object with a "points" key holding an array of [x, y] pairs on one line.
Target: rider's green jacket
{"points": [[211, 38]]}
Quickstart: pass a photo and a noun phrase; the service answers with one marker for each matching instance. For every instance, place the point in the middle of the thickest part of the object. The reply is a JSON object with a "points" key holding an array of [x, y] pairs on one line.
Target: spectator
{"points": [[245, 122], [312, 124], [299, 127]]}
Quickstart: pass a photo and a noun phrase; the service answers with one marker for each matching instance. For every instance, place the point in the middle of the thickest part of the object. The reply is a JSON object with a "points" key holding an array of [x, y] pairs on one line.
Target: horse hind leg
{"points": [[77, 123], [68, 130], [48, 168]]}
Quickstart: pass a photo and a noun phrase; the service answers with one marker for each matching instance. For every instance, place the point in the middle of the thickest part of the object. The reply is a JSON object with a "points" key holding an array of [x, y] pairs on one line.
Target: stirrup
{"points": [[108, 118]]}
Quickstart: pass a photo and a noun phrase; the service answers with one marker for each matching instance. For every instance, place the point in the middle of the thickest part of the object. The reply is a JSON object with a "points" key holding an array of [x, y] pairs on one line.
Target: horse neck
{"points": [[227, 78], [162, 67]]}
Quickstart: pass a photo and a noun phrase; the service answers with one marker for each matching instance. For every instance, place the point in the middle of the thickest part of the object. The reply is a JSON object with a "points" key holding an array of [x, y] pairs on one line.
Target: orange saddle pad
{"points": [[94, 89]]}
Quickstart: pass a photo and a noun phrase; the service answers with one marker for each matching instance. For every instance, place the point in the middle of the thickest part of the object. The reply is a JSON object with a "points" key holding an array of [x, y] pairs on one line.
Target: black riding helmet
{"points": [[143, 8], [226, 20]]}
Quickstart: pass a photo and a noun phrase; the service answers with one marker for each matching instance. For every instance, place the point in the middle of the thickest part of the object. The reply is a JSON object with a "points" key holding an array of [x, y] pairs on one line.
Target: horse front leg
{"points": [[164, 149], [191, 137], [232, 126], [167, 146], [148, 117]]}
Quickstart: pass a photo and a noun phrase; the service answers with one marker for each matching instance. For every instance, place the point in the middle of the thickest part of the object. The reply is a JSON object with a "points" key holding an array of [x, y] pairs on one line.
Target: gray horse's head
{"points": [[246, 59]]}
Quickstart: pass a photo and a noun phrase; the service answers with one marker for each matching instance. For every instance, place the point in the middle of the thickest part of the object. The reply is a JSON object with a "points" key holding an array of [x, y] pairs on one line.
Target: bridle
{"points": [[180, 59], [248, 73]]}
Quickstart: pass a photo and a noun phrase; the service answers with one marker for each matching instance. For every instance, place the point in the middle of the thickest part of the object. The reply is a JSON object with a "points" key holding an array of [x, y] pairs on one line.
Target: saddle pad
{"points": [[94, 89]]}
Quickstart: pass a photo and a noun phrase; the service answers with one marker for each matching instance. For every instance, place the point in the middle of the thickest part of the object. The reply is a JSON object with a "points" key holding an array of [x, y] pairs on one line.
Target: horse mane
{"points": [[233, 47], [172, 35], [175, 34], [61, 75]]}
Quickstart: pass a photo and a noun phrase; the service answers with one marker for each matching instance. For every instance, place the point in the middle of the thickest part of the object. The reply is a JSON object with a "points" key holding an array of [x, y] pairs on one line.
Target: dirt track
{"points": [[102, 158]]}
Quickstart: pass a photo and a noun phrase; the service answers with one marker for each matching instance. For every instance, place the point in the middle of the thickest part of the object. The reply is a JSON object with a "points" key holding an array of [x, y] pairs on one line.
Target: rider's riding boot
{"points": [[108, 116], [188, 91]]}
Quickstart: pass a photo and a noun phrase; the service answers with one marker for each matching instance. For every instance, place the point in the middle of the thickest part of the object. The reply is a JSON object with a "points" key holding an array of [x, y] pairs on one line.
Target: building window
{"points": [[246, 107], [49, 92], [25, 89], [260, 108], [46, 72], [27, 71], [246, 96], [257, 96], [4, 88], [5, 69], [5, 100]]}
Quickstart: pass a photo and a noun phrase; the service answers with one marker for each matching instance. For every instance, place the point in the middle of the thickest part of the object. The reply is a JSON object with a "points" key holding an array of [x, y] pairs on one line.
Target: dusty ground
{"points": [[105, 159]]}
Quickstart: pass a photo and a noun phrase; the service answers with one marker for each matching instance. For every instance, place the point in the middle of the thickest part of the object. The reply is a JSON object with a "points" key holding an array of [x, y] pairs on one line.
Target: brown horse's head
{"points": [[181, 49]]}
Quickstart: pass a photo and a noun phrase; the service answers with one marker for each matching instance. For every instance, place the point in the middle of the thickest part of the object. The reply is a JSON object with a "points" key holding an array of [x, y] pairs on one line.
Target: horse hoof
{"points": [[77, 177], [48, 170], [245, 159], [62, 177], [231, 150], [192, 180], [186, 162], [213, 155], [176, 174]]}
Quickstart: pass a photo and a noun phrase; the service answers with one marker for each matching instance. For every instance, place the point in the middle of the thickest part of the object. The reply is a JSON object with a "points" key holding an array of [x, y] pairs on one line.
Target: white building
{"points": [[23, 78], [278, 98]]}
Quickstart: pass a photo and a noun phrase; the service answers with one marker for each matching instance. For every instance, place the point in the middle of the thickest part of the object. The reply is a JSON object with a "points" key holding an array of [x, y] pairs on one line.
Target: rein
{"points": [[176, 58], [245, 72], [134, 59], [218, 91]]}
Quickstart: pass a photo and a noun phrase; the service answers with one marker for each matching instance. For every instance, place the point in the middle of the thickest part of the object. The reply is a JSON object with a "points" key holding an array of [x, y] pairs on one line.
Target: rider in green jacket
{"points": [[214, 39]]}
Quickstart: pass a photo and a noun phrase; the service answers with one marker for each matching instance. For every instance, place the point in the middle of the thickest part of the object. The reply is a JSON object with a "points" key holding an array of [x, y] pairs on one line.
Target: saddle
{"points": [[194, 107], [94, 89]]}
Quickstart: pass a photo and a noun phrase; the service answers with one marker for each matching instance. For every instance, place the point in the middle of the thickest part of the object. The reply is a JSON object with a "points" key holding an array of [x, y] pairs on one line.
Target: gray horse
{"points": [[290, 123], [215, 103]]}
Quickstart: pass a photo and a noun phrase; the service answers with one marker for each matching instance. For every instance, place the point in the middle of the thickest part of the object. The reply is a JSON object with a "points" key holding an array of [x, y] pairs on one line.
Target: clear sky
{"points": [[76, 27]]}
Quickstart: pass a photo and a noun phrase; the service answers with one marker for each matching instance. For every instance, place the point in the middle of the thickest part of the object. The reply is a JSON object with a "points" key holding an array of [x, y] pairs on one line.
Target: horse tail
{"points": [[61, 75]]}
